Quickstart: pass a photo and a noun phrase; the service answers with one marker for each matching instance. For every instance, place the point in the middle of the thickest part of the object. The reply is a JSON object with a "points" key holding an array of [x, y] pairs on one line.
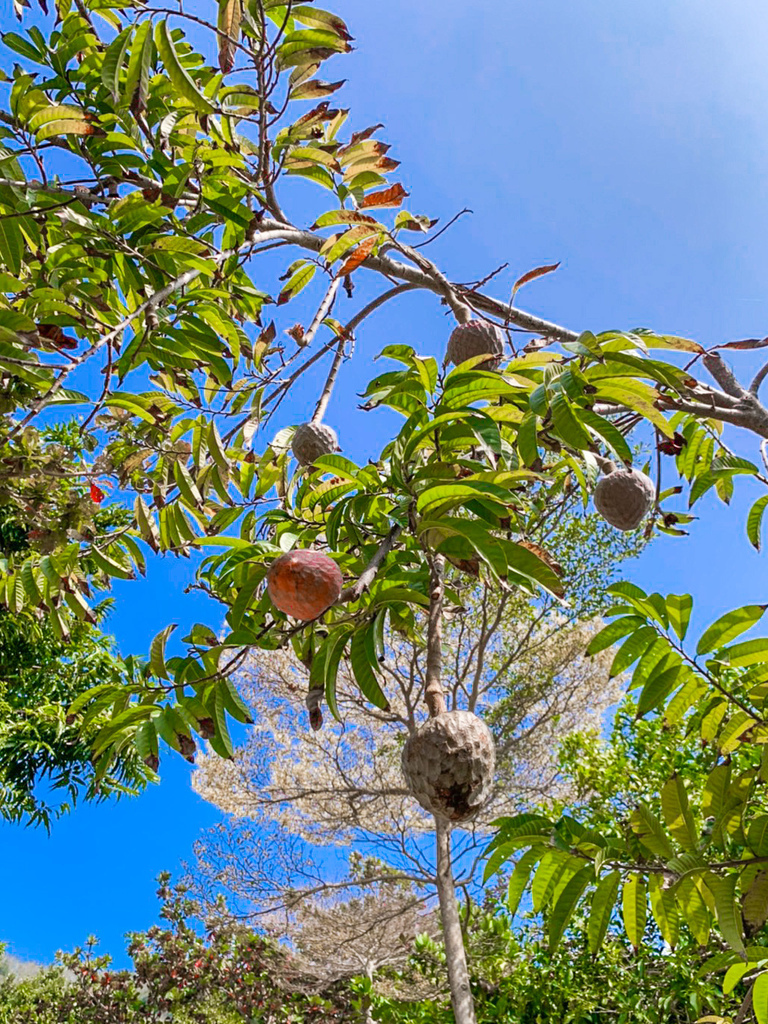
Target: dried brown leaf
{"points": [[366, 133], [392, 196], [230, 16], [748, 343], [531, 275], [358, 256]]}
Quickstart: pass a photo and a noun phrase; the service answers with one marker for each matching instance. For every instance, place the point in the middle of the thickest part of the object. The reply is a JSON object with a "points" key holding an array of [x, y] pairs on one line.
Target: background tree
{"points": [[46, 762], [521, 665], [662, 824], [225, 976]]}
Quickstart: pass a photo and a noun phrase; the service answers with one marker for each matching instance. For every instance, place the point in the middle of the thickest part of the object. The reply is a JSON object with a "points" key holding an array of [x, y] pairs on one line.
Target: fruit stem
{"points": [[433, 689]]}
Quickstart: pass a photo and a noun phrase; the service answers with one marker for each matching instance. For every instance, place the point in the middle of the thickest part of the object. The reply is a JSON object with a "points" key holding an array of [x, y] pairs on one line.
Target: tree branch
{"points": [[723, 374], [365, 579], [325, 396], [758, 379]]}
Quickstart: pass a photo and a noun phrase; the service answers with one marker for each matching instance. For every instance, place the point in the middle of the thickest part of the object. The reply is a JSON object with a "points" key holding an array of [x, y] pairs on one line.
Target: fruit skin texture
{"points": [[304, 584], [449, 763], [624, 497], [475, 338], [312, 440]]}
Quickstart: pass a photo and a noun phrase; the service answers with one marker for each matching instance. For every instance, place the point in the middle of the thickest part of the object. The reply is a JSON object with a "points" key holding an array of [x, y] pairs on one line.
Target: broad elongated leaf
{"points": [[679, 608], [178, 74], [562, 912], [664, 909], [603, 903], [519, 879], [157, 652], [760, 998], [364, 661], [677, 813], [230, 15], [723, 889], [729, 626], [755, 521], [634, 909]]}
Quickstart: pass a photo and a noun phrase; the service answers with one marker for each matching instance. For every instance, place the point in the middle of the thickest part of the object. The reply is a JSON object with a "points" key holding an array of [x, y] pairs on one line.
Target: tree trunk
{"points": [[367, 1007], [458, 973]]}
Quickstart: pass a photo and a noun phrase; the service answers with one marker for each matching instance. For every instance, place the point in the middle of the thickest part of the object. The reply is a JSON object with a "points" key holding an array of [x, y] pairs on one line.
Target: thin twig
{"points": [[443, 229]]}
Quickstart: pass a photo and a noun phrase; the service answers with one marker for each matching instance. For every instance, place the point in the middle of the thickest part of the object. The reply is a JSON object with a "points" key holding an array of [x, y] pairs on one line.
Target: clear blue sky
{"points": [[627, 140]]}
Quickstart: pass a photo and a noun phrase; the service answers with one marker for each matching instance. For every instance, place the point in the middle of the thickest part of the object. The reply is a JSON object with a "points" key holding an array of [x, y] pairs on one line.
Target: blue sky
{"points": [[626, 140]]}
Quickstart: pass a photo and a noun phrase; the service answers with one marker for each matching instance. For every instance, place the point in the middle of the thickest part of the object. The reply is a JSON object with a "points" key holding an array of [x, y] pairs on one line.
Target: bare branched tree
{"points": [[300, 799]]}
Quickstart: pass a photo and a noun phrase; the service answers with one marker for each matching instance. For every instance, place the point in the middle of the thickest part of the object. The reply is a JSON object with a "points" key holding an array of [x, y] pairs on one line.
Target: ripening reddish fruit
{"points": [[304, 584]]}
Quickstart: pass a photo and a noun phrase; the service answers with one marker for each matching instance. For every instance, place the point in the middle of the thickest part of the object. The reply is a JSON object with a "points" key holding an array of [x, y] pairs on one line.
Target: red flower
{"points": [[97, 495]]}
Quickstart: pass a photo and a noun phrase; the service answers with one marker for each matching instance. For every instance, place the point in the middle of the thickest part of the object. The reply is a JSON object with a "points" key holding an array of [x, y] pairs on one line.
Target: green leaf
{"points": [[297, 283], [11, 245], [566, 904], [677, 813], [632, 649], [566, 423], [715, 790], [729, 626], [755, 521], [222, 741], [178, 75], [679, 607], [603, 902], [233, 702], [733, 731], [526, 562], [754, 906], [110, 566], [694, 909], [157, 652], [664, 909], [634, 909], [114, 58], [657, 689], [649, 830], [365, 664], [609, 433], [614, 631], [726, 908], [750, 652], [137, 75], [757, 836], [553, 864], [519, 879], [760, 998], [145, 741], [527, 439]]}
